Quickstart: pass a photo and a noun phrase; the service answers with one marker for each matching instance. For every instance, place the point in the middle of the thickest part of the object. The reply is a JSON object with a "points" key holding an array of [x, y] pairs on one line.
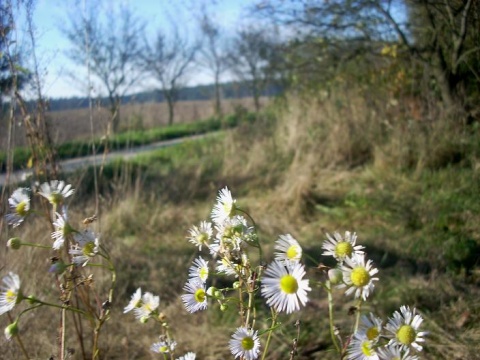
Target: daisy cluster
{"points": [[372, 340], [230, 249], [71, 252]]}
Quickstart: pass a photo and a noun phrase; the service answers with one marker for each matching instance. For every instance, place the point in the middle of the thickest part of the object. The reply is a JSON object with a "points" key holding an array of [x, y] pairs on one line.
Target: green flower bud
{"points": [[31, 299], [211, 291], [335, 276], [144, 319], [11, 330], [236, 284], [14, 243], [223, 307]]}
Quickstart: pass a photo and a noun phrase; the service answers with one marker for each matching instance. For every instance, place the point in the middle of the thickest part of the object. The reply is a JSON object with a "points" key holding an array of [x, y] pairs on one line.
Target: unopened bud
{"points": [[14, 243], [144, 319], [11, 330], [223, 307], [31, 299], [335, 276], [211, 291], [236, 284]]}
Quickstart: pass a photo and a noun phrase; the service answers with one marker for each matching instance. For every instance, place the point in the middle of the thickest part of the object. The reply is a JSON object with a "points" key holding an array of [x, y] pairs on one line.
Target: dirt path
{"points": [[85, 161]]}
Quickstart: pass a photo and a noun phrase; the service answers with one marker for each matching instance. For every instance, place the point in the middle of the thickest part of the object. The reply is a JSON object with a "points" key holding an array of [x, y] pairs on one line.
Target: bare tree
{"points": [[250, 56], [440, 35], [213, 55], [168, 60], [114, 47]]}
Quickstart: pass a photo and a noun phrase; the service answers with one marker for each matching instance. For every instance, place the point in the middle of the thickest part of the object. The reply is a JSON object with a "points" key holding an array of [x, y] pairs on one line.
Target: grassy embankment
{"points": [[408, 188]]}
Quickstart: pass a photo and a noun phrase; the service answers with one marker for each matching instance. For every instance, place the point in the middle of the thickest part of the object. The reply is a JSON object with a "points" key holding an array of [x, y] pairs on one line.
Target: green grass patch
{"points": [[128, 139]]}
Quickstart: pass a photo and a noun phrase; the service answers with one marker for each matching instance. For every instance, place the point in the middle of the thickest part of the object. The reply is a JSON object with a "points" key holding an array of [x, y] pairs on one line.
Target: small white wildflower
{"points": [[87, 247], [404, 329], [341, 247], [147, 306], [196, 297], [224, 208], [19, 203], [10, 294], [199, 270], [135, 301], [56, 191], [245, 344], [358, 276], [288, 249], [284, 286], [201, 235]]}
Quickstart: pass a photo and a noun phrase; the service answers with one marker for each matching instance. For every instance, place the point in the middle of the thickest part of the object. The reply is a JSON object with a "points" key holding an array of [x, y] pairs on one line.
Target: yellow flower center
{"points": [[372, 333], [247, 343], [360, 277], [11, 296], [89, 249], [367, 348], [203, 273], [21, 208], [199, 295], [406, 334], [55, 198], [288, 284], [163, 349], [343, 249], [292, 252], [202, 238]]}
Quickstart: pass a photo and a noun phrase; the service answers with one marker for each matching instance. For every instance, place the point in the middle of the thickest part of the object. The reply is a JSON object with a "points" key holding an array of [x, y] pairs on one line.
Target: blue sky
{"points": [[52, 45]]}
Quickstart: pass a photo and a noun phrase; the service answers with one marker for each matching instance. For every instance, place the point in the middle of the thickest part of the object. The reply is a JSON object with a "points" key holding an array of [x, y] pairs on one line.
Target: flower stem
{"points": [[330, 315], [270, 332]]}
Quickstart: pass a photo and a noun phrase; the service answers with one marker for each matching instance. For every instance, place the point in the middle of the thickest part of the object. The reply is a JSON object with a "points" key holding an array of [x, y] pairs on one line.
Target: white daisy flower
{"points": [[393, 352], [245, 344], [87, 247], [56, 191], [404, 329], [233, 234], [164, 347], [135, 301], [284, 287], [200, 235], [188, 356], [360, 348], [196, 297], [62, 229], [358, 276], [289, 250], [341, 247], [370, 326], [224, 208], [199, 270], [20, 205], [147, 306], [10, 294]]}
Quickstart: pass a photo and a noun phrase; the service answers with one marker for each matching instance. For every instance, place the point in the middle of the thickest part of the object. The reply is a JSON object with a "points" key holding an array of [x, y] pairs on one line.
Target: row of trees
{"points": [[117, 52], [307, 44]]}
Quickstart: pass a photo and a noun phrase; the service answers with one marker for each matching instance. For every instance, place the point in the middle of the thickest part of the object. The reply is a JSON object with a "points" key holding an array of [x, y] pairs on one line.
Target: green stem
{"points": [[35, 245], [330, 315], [60, 307], [357, 316], [270, 332], [18, 338]]}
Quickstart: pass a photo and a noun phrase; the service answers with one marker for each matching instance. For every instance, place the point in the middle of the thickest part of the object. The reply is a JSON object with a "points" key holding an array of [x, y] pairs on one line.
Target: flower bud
{"points": [[31, 299], [335, 276], [223, 307], [11, 330], [236, 284], [58, 267], [212, 291], [144, 319], [14, 243]]}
